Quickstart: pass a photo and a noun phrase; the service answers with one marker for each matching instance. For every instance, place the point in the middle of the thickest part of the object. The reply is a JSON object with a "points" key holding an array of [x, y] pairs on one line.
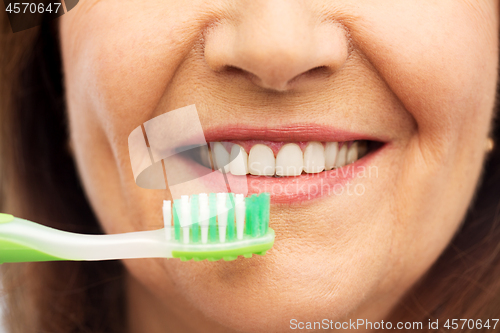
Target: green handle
{"points": [[4, 218], [16, 252]]}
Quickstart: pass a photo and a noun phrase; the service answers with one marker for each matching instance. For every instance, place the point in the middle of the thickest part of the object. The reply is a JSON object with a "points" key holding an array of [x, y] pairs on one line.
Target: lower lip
{"points": [[291, 190]]}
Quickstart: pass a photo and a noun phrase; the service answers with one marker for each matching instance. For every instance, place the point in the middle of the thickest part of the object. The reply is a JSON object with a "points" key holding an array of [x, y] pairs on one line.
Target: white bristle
{"points": [[185, 219], [185, 235], [239, 210], [167, 218], [204, 216], [222, 216]]}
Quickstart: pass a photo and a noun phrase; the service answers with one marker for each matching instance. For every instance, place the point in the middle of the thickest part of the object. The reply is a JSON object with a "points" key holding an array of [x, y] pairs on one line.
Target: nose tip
{"points": [[277, 50]]}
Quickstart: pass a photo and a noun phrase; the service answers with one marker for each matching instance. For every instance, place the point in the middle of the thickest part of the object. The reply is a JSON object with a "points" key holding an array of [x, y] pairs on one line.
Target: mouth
{"points": [[293, 163]]}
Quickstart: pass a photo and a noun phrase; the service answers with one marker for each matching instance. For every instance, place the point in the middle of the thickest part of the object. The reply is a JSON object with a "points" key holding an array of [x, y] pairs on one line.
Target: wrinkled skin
{"points": [[418, 74]]}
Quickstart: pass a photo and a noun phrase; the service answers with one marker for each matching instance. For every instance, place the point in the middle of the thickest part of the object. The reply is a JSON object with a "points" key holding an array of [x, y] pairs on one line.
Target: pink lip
{"points": [[287, 133], [290, 190]]}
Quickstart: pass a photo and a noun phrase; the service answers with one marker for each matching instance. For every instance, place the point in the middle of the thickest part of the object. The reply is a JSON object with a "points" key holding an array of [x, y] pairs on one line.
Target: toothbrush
{"points": [[212, 227]]}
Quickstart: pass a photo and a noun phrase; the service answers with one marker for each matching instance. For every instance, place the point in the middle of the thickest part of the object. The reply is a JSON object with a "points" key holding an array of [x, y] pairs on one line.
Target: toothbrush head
{"points": [[212, 227], [219, 226]]}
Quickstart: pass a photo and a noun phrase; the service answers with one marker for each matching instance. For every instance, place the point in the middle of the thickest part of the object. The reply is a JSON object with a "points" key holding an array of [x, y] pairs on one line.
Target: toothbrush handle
{"points": [[16, 252], [25, 241], [12, 251]]}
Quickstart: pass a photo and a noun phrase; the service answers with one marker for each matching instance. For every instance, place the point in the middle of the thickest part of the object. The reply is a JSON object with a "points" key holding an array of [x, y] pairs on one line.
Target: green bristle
{"points": [[177, 225], [230, 230], [256, 217], [195, 226], [255, 225], [264, 202], [251, 215], [212, 222], [248, 214]]}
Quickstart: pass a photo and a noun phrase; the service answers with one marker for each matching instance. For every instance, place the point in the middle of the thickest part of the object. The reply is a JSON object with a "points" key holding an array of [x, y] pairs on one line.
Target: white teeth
{"points": [[261, 161], [239, 161], [289, 161], [314, 157], [352, 153], [341, 156], [221, 156], [331, 151]]}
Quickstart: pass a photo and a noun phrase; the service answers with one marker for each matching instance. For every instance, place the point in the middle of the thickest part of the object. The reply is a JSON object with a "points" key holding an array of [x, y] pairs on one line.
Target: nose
{"points": [[277, 44]]}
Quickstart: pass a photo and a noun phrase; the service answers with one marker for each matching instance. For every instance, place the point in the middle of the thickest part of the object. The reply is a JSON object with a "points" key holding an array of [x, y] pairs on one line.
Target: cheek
{"points": [[447, 82], [119, 70], [115, 75]]}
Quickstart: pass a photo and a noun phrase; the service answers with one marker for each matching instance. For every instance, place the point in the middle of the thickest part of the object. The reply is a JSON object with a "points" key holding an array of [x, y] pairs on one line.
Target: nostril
{"points": [[234, 70], [237, 71], [276, 48], [316, 72], [313, 73], [320, 70]]}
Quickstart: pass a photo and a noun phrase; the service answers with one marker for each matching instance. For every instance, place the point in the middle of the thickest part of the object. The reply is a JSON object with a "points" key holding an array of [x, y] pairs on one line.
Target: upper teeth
{"points": [[314, 157], [290, 160], [239, 161], [261, 161], [221, 156]]}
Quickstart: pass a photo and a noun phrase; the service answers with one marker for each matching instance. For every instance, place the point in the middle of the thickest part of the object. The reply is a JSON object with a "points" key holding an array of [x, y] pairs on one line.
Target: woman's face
{"points": [[417, 75]]}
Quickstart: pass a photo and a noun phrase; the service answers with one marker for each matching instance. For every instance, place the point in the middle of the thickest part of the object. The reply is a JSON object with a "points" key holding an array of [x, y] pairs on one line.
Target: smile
{"points": [[292, 171], [285, 159]]}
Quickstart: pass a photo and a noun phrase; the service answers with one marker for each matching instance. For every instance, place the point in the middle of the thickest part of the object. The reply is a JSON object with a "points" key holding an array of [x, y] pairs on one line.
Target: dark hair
{"points": [[41, 183]]}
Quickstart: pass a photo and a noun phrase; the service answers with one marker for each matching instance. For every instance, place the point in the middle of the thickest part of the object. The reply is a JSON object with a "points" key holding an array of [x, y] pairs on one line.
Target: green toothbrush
{"points": [[213, 227]]}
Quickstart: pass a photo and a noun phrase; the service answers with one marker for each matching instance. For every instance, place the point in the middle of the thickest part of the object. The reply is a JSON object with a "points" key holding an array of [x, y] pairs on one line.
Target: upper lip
{"points": [[286, 133]]}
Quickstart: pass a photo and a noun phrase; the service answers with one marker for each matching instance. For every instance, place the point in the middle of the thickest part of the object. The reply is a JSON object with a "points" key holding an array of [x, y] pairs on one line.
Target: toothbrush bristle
{"points": [[265, 201], [185, 235], [240, 215], [230, 217], [185, 218], [212, 223], [217, 218], [204, 215], [167, 218], [222, 216], [194, 218], [177, 223]]}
